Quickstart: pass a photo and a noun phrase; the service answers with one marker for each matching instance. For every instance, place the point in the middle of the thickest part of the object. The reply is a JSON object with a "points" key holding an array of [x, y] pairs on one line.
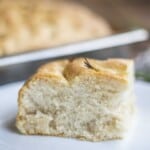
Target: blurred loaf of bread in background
{"points": [[30, 25]]}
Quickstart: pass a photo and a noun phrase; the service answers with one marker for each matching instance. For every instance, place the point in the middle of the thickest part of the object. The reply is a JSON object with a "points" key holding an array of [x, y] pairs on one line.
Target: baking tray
{"points": [[19, 67]]}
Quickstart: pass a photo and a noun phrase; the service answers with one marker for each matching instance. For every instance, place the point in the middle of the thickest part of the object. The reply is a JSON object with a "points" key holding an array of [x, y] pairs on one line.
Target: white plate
{"points": [[10, 139]]}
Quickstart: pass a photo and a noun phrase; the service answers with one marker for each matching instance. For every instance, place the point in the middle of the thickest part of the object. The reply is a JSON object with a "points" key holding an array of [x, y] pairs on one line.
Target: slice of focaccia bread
{"points": [[80, 98]]}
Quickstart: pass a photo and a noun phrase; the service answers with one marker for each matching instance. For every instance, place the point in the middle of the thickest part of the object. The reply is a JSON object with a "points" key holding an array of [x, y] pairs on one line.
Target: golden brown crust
{"points": [[33, 24], [111, 68]]}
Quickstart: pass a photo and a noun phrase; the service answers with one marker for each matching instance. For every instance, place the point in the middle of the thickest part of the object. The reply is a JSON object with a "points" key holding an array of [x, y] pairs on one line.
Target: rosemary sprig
{"points": [[88, 65]]}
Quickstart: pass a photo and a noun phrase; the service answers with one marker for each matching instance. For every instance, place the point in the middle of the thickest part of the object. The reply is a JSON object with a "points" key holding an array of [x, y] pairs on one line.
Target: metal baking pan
{"points": [[19, 67]]}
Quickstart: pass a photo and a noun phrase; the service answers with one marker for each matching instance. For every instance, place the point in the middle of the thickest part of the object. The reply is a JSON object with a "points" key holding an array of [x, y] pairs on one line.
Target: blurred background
{"points": [[123, 13], [30, 26]]}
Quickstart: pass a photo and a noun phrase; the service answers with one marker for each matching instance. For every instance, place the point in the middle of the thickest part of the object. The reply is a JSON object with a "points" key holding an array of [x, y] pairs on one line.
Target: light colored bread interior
{"points": [[74, 99], [34, 24]]}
